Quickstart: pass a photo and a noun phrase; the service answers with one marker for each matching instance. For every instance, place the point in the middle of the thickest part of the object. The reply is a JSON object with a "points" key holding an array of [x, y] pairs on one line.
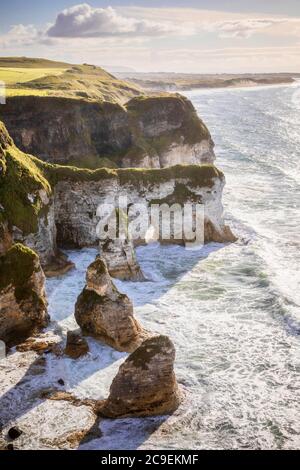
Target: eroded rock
{"points": [[77, 346], [103, 312], [151, 132], [23, 306], [121, 260], [145, 384]]}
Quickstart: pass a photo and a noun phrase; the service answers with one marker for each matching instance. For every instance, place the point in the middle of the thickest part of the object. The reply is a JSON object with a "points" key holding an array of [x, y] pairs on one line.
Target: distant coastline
{"points": [[184, 82]]}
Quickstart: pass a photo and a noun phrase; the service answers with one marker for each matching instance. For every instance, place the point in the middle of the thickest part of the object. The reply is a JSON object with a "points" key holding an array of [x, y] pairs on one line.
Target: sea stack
{"points": [[145, 384], [103, 312]]}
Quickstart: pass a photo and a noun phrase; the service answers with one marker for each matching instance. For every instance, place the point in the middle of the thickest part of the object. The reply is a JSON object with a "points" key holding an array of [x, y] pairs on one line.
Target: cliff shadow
{"points": [[164, 266], [48, 374], [121, 434]]}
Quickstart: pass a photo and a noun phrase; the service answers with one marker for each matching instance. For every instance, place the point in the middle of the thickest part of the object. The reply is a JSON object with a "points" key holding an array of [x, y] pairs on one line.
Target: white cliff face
{"points": [[76, 205], [176, 154], [144, 162], [70, 218], [184, 154]]}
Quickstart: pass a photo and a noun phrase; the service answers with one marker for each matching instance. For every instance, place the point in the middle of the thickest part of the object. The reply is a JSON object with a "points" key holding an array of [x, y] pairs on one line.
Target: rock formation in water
{"points": [[23, 306], [103, 312], [145, 384], [147, 132], [118, 251], [76, 346], [121, 260]]}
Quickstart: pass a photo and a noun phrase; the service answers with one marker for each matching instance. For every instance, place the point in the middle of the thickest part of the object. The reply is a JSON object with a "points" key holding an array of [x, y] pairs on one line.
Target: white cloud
{"points": [[243, 28], [19, 35], [87, 22]]}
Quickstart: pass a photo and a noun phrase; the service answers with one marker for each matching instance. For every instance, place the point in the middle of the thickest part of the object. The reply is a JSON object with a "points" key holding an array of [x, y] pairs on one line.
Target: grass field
{"points": [[25, 92], [40, 77], [12, 76]]}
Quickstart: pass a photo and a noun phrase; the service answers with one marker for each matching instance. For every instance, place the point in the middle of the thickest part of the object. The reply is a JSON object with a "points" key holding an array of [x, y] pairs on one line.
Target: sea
{"points": [[232, 310]]}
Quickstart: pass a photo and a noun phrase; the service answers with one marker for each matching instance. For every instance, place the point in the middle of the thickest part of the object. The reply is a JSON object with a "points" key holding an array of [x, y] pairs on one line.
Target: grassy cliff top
{"points": [[40, 77], [28, 62]]}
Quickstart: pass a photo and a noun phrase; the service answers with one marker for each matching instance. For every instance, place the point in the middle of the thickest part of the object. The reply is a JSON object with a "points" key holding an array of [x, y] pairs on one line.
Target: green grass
{"points": [[29, 62], [10, 92], [79, 81], [12, 76]]}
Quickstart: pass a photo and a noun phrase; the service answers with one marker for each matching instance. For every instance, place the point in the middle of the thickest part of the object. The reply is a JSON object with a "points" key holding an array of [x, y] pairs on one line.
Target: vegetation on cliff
{"points": [[23, 306], [17, 266], [40, 77], [82, 115], [22, 189], [197, 175]]}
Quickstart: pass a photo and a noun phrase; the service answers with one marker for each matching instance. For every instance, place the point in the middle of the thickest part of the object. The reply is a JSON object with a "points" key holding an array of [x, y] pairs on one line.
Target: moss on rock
{"points": [[23, 306], [198, 175], [17, 266], [20, 183]]}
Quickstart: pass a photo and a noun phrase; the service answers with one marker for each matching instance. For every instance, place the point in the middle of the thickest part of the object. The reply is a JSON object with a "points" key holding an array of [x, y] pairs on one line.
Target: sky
{"points": [[204, 36]]}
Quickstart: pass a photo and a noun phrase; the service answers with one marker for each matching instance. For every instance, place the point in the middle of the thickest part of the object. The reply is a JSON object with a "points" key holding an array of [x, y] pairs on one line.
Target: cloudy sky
{"points": [[202, 36]]}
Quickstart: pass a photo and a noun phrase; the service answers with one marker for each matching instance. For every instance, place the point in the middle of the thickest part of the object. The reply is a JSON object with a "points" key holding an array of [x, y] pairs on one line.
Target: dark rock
{"points": [[14, 433], [77, 346], [23, 306]]}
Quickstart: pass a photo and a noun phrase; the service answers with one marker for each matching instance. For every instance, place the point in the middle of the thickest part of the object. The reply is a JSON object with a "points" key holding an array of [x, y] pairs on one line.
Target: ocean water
{"points": [[233, 311]]}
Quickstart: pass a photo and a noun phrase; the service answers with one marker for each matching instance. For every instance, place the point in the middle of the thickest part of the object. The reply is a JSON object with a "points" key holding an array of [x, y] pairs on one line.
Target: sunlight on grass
{"points": [[26, 92], [12, 76]]}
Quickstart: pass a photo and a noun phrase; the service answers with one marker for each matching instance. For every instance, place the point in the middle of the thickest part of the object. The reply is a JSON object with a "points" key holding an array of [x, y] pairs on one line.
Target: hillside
{"points": [[40, 77], [28, 62]]}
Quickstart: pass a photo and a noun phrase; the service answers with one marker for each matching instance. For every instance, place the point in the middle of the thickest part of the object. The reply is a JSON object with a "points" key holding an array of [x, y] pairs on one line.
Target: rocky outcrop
{"points": [[145, 384], [103, 312], [42, 205], [152, 132], [26, 203], [166, 131], [118, 251], [23, 306], [79, 195], [121, 261], [77, 346]]}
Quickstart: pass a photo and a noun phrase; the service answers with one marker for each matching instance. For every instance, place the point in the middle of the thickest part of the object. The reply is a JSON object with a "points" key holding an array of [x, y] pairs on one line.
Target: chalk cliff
{"points": [[42, 205]]}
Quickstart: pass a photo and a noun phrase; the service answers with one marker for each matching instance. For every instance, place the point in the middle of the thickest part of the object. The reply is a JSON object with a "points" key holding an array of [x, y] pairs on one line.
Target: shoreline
{"points": [[238, 87]]}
